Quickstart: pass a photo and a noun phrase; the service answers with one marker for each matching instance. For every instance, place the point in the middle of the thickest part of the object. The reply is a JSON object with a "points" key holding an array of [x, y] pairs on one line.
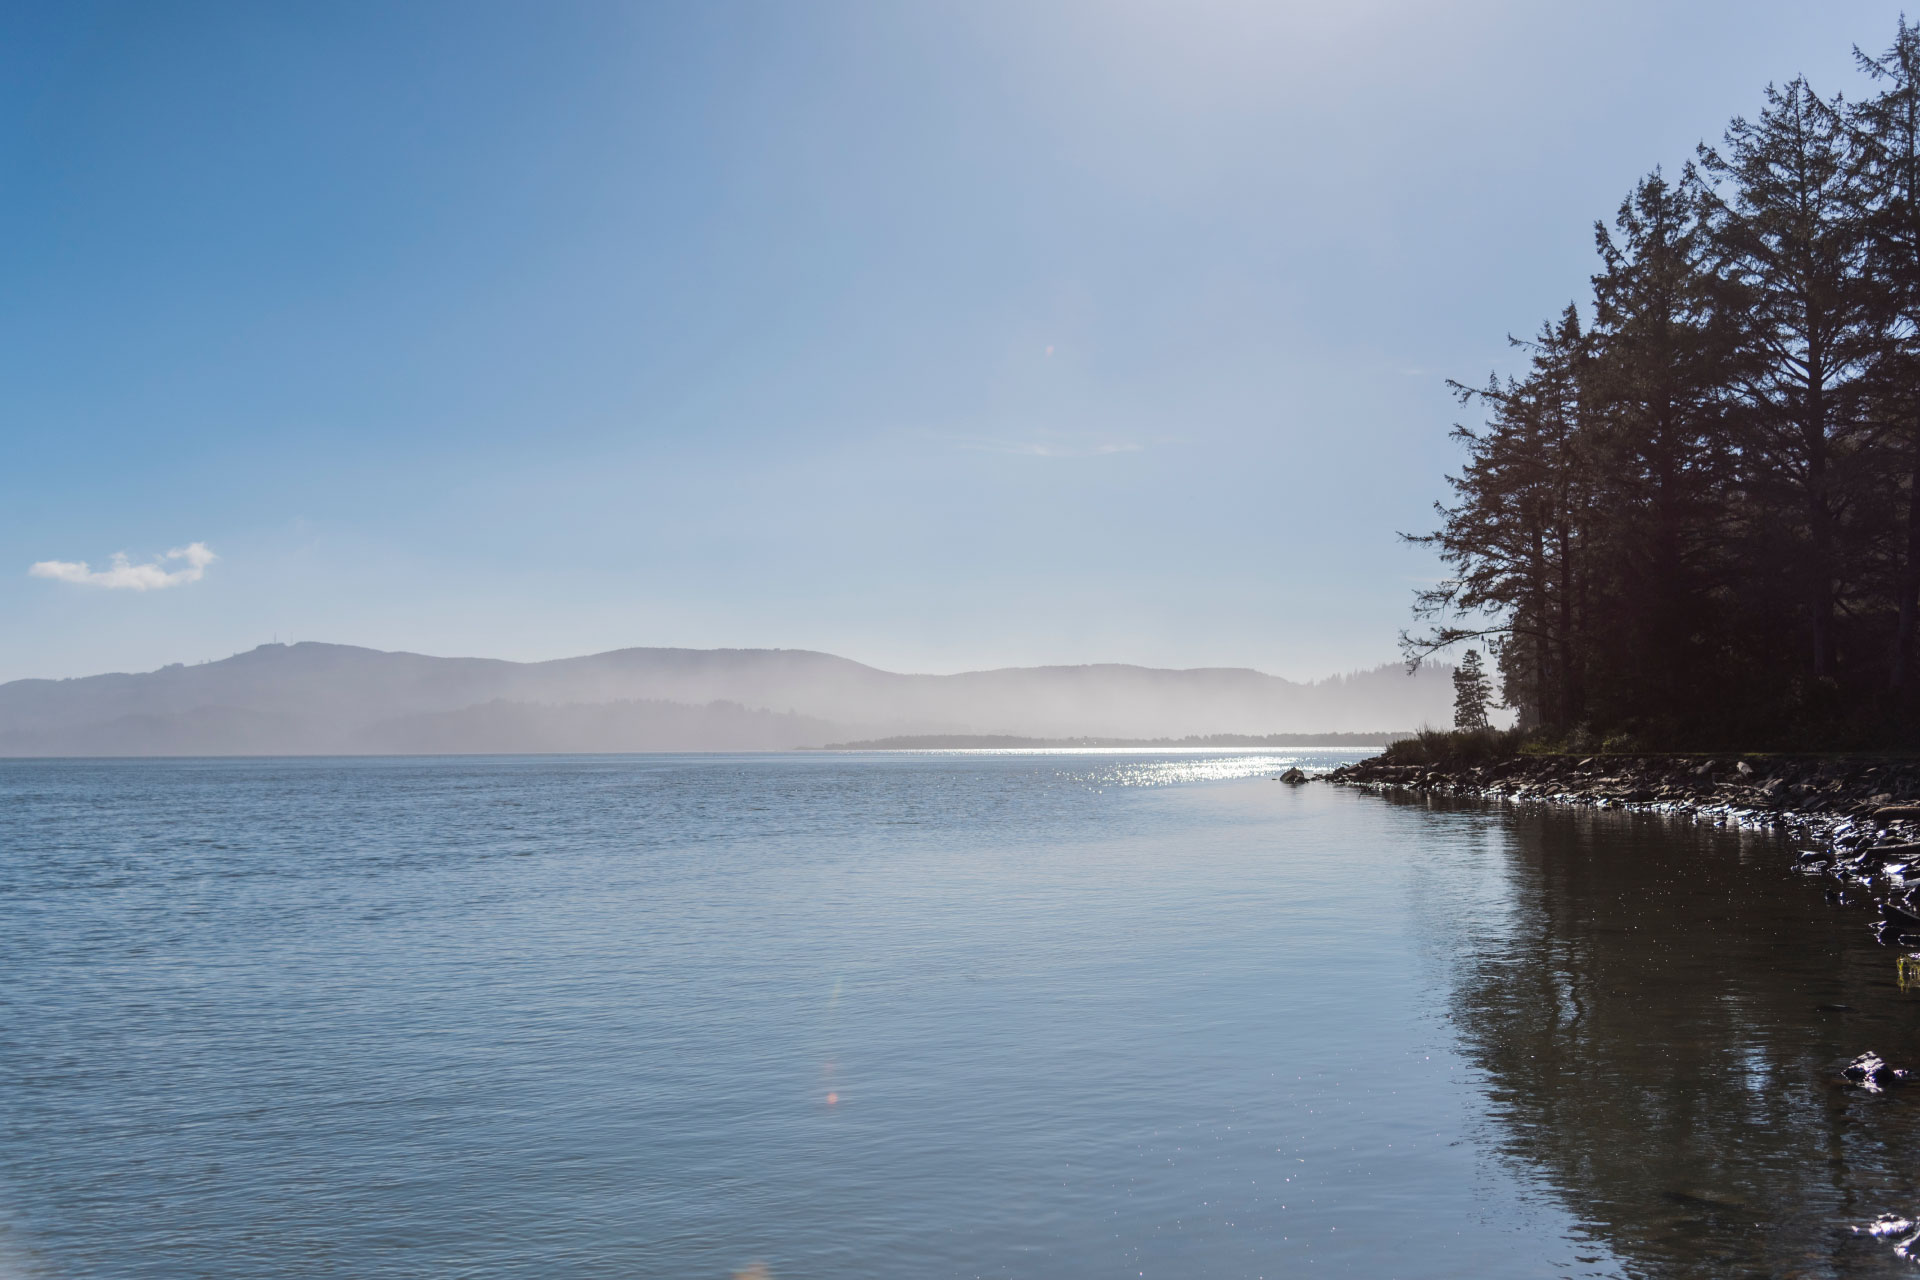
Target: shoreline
{"points": [[1856, 818]]}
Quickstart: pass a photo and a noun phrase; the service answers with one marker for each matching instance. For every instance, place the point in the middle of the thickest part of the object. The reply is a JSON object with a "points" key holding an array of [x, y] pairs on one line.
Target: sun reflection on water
{"points": [[1164, 766]]}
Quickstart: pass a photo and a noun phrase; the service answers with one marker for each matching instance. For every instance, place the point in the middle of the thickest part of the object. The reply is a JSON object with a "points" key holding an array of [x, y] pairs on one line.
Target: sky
{"points": [[939, 336]]}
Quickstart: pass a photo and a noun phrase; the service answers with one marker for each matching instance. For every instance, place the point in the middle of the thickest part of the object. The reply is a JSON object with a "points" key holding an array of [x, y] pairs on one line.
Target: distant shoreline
{"points": [[1009, 742], [321, 699]]}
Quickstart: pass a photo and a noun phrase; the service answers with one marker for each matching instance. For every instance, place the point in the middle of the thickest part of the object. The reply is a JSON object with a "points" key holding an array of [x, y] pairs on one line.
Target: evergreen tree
{"points": [[1517, 537], [1697, 518], [1791, 247], [1661, 353], [1471, 693], [1887, 136]]}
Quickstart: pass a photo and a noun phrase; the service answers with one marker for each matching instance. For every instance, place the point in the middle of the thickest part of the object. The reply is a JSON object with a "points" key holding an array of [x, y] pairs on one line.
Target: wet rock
{"points": [[1902, 1232], [1871, 1072], [1898, 921], [1832, 804], [1293, 776]]}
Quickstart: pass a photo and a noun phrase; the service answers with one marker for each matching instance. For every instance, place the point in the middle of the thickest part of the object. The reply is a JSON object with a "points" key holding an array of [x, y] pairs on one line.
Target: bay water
{"points": [[1045, 1014]]}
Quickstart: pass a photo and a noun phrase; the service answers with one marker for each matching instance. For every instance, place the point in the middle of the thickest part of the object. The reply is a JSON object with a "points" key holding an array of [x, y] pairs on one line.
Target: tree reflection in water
{"points": [[1662, 1018]]}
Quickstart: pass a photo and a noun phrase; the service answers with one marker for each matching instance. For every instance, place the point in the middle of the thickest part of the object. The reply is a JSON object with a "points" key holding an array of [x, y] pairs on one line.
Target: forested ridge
{"points": [[1695, 519]]}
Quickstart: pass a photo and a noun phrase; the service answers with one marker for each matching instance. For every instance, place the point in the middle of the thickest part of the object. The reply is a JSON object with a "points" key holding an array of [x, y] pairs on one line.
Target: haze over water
{"points": [[935, 1015]]}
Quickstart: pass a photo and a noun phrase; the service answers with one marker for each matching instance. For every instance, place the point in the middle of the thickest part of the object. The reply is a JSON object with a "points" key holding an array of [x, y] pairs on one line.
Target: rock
{"points": [[1897, 812], [1893, 1227], [1744, 769], [1293, 776], [1898, 922], [1871, 1072]]}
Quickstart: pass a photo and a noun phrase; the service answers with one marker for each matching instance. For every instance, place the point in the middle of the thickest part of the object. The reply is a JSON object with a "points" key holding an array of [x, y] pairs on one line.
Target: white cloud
{"points": [[124, 576]]}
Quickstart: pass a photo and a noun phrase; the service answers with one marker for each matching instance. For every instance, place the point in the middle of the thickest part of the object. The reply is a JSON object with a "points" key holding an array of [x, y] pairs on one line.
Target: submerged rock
{"points": [[1293, 776]]}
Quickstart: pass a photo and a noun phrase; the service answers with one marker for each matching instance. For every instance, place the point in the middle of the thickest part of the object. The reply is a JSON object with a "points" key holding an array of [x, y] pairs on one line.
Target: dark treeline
{"points": [[1695, 519]]}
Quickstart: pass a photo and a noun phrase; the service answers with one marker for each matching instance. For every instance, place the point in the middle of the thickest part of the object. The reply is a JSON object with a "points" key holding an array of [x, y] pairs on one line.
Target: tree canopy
{"points": [[1694, 518]]}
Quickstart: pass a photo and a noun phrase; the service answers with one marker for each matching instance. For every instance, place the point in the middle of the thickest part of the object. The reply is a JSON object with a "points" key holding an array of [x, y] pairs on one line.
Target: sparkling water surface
{"points": [[915, 1015]]}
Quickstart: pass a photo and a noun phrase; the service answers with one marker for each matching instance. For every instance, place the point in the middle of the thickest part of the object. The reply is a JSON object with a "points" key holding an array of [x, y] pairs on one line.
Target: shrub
{"points": [[1458, 746]]}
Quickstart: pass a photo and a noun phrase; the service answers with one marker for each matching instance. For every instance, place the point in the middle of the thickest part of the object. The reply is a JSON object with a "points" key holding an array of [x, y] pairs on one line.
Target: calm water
{"points": [[914, 1016]]}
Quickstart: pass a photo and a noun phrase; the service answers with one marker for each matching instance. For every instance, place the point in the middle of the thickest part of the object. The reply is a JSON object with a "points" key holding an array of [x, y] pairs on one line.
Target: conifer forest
{"points": [[1694, 520]]}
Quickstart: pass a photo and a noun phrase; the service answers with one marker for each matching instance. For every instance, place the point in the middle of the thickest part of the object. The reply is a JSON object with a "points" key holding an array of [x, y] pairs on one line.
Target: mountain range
{"points": [[328, 699]]}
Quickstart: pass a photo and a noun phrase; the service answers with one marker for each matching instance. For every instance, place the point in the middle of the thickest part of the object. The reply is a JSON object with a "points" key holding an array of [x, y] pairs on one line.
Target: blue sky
{"points": [[936, 335]]}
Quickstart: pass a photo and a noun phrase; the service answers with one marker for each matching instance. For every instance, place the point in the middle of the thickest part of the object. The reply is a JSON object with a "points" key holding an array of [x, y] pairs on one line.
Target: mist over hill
{"points": [[311, 698]]}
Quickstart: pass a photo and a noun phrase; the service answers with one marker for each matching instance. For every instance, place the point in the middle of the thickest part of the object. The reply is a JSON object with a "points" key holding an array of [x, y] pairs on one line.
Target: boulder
{"points": [[1871, 1072]]}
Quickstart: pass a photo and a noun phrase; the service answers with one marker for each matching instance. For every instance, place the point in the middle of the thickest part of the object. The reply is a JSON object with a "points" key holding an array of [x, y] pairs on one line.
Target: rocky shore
{"points": [[1846, 804], [1853, 819]]}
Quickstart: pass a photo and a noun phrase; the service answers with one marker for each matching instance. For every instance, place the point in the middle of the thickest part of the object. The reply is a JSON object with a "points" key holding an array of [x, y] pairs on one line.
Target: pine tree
{"points": [[1696, 519], [1792, 246], [1659, 387], [1887, 134], [1517, 538], [1471, 693]]}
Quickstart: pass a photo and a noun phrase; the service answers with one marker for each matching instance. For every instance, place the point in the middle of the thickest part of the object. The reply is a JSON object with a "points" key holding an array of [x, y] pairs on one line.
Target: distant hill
{"points": [[312, 698]]}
